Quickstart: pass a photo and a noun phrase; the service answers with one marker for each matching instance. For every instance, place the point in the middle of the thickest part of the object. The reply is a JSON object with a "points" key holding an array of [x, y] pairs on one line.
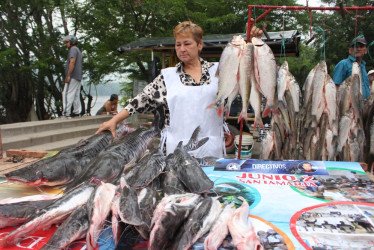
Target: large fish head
{"points": [[46, 172]]}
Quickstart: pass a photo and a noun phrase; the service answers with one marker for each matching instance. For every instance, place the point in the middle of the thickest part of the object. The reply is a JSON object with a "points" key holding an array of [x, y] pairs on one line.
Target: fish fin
{"points": [[243, 115], [220, 110], [156, 121]]}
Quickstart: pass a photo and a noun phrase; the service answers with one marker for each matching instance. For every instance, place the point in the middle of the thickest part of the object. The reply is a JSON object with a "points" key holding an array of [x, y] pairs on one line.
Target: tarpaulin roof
{"points": [[214, 44]]}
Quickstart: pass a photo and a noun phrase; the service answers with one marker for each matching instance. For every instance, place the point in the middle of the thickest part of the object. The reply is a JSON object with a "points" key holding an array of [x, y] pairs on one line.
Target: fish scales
{"points": [[255, 101], [110, 163], [245, 71], [228, 71], [330, 99], [318, 84], [199, 222], [282, 80], [265, 70], [54, 213]]}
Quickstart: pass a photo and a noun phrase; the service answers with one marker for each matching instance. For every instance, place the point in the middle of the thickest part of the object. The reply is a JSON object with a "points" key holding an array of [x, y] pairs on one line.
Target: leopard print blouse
{"points": [[154, 94]]}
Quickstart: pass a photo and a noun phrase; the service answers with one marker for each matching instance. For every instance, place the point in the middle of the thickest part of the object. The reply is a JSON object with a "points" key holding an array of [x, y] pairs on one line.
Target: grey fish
{"points": [[129, 208], [110, 163], [73, 228], [198, 223], [63, 167], [186, 166], [54, 213], [146, 170], [12, 214], [169, 179], [147, 200], [170, 213]]}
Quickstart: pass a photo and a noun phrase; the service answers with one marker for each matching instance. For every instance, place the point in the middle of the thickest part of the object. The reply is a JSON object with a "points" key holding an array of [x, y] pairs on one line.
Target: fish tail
{"points": [[220, 110], [156, 122], [267, 111], [243, 115]]}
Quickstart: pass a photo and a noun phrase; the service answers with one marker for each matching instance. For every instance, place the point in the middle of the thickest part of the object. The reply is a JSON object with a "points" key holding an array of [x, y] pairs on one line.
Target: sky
{"points": [[312, 3]]}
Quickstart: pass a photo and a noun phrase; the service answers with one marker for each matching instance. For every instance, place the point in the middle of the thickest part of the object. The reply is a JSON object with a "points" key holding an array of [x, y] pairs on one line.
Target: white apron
{"points": [[187, 105]]}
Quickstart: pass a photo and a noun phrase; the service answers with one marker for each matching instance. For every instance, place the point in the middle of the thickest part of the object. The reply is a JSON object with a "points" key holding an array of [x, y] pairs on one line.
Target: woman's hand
{"points": [[256, 32], [109, 125]]}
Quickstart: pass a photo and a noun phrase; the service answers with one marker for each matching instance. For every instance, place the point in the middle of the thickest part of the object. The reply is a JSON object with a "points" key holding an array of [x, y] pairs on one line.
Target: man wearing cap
{"points": [[371, 80], [343, 69]]}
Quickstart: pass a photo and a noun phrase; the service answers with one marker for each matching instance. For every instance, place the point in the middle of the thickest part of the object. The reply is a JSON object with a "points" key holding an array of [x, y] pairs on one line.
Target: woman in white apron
{"points": [[186, 90]]}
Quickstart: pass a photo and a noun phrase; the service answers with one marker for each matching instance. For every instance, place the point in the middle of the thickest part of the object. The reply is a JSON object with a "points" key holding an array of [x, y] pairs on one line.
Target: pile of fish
{"points": [[323, 121], [168, 201], [326, 122]]}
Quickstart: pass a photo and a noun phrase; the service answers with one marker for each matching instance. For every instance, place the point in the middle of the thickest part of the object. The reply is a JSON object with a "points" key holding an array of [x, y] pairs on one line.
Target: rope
{"points": [[323, 50], [283, 46]]}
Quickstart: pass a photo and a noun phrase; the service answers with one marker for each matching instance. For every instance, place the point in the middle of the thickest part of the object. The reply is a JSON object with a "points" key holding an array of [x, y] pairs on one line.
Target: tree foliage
{"points": [[32, 55]]}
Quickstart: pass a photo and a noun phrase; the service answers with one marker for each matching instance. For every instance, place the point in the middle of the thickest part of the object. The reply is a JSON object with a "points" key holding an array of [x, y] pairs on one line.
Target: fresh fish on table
{"points": [[63, 167], [170, 213], [187, 166], [199, 222], [73, 228], [146, 170], [98, 208], [110, 163], [265, 71], [220, 228], [147, 200], [54, 213], [228, 72], [241, 230], [14, 213], [169, 179]]}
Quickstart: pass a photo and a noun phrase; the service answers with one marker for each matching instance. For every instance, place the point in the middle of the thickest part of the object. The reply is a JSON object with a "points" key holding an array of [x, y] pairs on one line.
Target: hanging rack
{"points": [[269, 8]]}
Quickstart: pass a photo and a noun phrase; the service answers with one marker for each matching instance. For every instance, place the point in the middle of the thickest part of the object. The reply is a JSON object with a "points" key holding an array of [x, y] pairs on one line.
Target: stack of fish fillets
{"points": [[149, 194]]}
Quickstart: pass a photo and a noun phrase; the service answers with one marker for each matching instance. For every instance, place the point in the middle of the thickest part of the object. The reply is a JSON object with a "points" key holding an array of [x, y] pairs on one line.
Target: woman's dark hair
{"points": [[113, 97]]}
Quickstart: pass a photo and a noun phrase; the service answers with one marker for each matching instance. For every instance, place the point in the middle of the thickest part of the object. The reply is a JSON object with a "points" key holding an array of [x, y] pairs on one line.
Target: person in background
{"points": [[73, 77], [110, 106], [371, 80], [343, 69], [185, 90]]}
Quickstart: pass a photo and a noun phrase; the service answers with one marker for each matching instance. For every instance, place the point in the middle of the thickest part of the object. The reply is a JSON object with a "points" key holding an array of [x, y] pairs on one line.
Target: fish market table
{"points": [[293, 205]]}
